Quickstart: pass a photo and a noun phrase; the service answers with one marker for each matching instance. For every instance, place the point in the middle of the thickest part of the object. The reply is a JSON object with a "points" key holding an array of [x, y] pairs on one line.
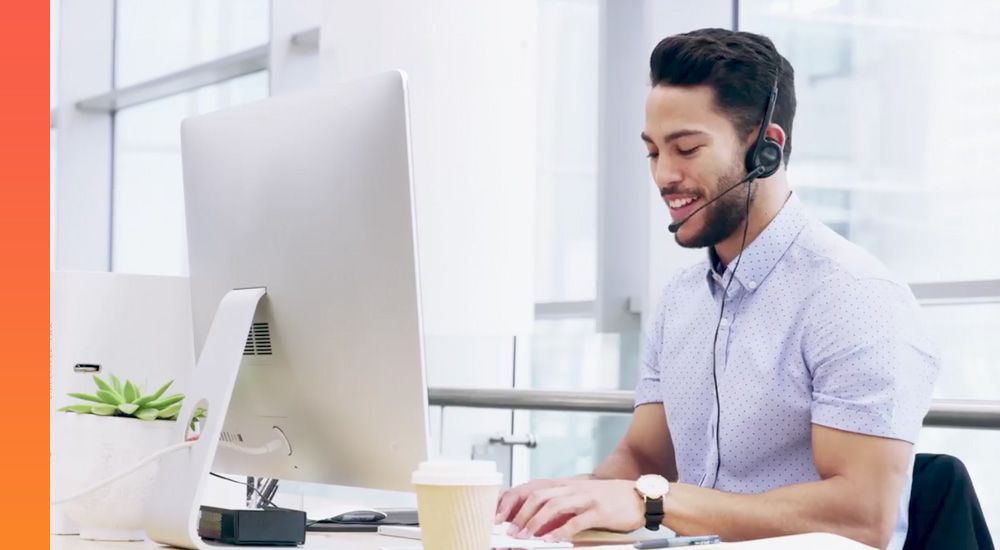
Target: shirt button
{"points": [[752, 285], [724, 321]]}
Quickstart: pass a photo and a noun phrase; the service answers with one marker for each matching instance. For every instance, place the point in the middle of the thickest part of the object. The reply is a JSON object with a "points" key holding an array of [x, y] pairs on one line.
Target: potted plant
{"points": [[111, 430]]}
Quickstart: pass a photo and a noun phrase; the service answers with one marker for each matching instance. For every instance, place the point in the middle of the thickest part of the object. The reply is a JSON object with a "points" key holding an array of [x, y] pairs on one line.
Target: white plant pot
{"points": [[92, 448]]}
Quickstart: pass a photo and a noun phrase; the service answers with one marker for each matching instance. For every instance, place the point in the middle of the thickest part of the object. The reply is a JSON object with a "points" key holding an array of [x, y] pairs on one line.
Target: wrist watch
{"points": [[651, 489]]}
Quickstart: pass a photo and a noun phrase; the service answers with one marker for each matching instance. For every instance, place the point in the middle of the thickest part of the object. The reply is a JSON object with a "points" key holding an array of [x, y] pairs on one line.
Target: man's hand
{"points": [[510, 501], [558, 512], [645, 449]]}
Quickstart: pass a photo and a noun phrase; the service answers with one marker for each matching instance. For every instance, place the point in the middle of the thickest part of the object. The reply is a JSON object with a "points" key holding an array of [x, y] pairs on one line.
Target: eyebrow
{"points": [[674, 135]]}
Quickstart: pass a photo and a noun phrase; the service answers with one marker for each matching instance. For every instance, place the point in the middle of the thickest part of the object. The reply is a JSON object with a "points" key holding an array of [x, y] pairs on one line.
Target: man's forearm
{"points": [[620, 464], [828, 506], [625, 463]]}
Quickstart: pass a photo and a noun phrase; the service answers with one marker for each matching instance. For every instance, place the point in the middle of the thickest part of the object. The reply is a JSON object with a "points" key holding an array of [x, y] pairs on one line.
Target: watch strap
{"points": [[654, 513]]}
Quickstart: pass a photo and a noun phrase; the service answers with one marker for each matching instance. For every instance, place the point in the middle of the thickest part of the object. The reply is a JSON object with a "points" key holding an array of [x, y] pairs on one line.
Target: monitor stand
{"points": [[172, 515], [260, 491]]}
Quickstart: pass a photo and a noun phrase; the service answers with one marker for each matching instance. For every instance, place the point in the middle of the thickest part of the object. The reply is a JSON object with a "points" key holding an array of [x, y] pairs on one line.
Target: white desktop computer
{"points": [[306, 200]]}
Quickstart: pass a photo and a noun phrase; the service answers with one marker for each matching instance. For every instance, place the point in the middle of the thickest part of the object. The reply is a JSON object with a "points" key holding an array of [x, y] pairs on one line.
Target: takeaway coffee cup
{"points": [[456, 502]]}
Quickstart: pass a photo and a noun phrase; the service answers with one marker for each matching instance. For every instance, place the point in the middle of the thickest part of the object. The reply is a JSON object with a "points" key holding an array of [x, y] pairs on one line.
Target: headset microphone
{"points": [[754, 174]]}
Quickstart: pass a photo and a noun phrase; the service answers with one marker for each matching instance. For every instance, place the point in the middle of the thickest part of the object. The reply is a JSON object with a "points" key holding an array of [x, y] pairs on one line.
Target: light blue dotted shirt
{"points": [[816, 331]]}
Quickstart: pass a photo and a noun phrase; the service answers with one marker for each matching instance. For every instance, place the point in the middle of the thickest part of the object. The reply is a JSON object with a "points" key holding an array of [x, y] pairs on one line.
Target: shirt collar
{"points": [[760, 257]]}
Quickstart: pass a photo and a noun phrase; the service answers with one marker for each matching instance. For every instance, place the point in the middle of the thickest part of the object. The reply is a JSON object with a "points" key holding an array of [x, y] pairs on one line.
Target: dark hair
{"points": [[740, 67]]}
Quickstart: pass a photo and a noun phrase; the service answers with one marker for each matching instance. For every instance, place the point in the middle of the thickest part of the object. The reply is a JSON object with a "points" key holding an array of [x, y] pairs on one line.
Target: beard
{"points": [[723, 216]]}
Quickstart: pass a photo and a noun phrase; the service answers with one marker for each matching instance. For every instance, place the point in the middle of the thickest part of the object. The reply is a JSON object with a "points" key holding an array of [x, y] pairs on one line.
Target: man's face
{"points": [[695, 154]]}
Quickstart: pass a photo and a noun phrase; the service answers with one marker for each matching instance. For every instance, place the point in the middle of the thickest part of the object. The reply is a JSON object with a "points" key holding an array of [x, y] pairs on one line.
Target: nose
{"points": [[666, 175]]}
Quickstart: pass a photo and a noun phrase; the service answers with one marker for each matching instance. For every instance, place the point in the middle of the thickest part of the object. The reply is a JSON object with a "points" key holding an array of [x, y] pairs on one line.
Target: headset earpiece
{"points": [[765, 153], [768, 158]]}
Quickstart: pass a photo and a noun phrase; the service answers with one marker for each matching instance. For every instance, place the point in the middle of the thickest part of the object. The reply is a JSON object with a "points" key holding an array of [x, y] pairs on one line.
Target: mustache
{"points": [[664, 191]]}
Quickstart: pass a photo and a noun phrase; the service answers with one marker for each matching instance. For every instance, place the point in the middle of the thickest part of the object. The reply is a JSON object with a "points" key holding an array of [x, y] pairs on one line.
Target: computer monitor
{"points": [[310, 196]]}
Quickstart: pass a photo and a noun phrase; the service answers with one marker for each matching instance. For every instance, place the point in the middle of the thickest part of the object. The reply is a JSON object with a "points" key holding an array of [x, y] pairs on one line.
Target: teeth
{"points": [[680, 203]]}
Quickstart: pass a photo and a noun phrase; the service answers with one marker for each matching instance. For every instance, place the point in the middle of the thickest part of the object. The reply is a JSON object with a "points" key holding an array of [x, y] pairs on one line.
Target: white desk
{"points": [[368, 541], [344, 541]]}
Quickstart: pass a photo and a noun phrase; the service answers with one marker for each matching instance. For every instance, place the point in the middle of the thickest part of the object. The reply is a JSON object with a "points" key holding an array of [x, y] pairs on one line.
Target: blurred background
{"points": [[543, 242]]}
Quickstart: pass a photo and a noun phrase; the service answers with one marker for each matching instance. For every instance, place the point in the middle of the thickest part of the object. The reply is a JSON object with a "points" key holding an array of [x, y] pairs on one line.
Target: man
{"points": [[801, 416]]}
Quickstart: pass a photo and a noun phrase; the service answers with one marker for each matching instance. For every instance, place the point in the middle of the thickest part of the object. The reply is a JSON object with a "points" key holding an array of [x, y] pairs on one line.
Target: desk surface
{"points": [[369, 541], [345, 541]]}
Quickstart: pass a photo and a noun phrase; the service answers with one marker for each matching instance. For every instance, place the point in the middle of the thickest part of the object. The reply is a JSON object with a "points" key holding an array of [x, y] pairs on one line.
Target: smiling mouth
{"points": [[680, 202], [681, 206]]}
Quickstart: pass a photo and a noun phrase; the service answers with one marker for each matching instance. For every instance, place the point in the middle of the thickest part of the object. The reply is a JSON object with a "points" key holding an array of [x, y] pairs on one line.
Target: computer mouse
{"points": [[359, 516], [344, 513]]}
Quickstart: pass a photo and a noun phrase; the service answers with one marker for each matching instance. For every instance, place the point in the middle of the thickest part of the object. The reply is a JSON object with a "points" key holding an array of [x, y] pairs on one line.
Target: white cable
{"points": [[272, 446], [116, 477]]}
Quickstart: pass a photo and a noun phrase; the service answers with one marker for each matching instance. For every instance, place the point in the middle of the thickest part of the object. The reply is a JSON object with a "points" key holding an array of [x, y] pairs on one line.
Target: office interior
{"points": [[542, 243]]}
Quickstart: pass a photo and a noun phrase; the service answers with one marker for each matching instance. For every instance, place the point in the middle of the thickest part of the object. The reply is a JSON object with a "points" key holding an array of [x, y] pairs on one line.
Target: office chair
{"points": [[944, 510]]}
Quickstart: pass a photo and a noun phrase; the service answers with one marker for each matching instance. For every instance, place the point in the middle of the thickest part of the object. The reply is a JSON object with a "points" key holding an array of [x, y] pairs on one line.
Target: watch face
{"points": [[652, 485]]}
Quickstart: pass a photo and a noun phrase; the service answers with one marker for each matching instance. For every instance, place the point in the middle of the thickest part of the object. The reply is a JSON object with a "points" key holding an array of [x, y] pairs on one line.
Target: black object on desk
{"points": [[400, 516], [253, 526]]}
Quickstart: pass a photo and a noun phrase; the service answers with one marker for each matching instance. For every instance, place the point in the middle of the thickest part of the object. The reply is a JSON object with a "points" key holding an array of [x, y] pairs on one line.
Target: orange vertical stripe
{"points": [[24, 281]]}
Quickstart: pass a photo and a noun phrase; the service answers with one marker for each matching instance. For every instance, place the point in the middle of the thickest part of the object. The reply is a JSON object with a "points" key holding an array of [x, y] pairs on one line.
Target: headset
{"points": [[763, 159], [765, 154]]}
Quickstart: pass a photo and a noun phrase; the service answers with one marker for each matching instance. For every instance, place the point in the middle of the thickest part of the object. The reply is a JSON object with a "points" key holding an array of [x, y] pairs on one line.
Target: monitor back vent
{"points": [[259, 340]]}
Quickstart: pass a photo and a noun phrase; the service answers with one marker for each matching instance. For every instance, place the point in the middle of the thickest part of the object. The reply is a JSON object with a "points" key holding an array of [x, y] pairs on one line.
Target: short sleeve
{"points": [[873, 366], [648, 388]]}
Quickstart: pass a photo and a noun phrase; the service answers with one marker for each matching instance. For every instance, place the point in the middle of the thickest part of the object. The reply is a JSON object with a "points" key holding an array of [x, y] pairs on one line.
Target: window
{"points": [[149, 234], [156, 37], [567, 352], [153, 39], [882, 150], [566, 220]]}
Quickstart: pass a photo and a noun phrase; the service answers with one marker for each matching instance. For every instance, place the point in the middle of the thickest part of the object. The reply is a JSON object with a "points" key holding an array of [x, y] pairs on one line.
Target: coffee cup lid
{"points": [[457, 472]]}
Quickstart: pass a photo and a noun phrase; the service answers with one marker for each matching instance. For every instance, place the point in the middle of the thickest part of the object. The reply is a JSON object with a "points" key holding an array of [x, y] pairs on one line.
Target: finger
{"points": [[556, 523], [502, 494], [510, 500], [582, 522], [508, 504], [531, 505], [571, 505], [503, 506], [517, 507]]}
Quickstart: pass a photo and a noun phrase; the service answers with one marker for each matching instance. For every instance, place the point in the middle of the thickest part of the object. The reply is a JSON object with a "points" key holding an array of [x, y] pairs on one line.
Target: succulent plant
{"points": [[117, 399]]}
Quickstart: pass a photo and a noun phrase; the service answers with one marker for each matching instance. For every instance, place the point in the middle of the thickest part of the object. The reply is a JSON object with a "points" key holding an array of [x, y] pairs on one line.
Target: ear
{"points": [[776, 133]]}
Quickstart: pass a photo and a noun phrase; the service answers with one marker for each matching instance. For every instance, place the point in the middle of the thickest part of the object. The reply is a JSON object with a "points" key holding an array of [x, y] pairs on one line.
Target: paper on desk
{"points": [[498, 540], [501, 540], [584, 538], [588, 538]]}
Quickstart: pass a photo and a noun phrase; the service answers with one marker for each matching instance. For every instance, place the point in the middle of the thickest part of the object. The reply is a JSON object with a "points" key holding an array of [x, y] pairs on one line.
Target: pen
{"points": [[674, 542]]}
